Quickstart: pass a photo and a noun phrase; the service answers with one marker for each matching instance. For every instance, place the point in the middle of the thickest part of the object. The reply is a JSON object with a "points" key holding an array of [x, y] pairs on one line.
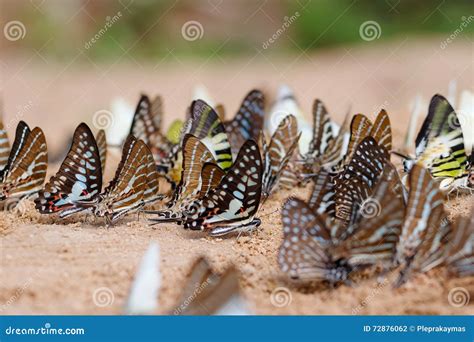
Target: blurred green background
{"points": [[149, 29]]}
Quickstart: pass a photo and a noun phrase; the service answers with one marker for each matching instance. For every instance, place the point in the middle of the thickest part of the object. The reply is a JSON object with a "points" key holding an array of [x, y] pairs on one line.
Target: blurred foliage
{"points": [[151, 30]]}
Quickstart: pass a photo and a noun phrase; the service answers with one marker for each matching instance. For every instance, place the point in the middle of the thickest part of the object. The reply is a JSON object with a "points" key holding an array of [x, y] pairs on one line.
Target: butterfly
{"points": [[209, 293], [232, 205], [195, 156], [24, 172], [101, 140], [312, 251], [440, 146], [205, 125], [78, 183], [362, 127], [126, 192], [327, 147], [146, 125], [248, 122], [425, 228], [355, 183], [460, 253], [278, 153]]}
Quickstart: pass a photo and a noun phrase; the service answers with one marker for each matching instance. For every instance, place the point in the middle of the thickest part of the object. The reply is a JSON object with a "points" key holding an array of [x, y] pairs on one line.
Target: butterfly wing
{"points": [[460, 254], [208, 290], [360, 128], [381, 131], [211, 177], [357, 180], [22, 132], [125, 192], [27, 172], [248, 122], [282, 145], [322, 130], [101, 140], [4, 146], [306, 239], [77, 184], [237, 198]]}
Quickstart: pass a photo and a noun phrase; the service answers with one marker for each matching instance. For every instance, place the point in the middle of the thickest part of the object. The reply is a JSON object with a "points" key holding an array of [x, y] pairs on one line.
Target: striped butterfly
{"points": [[248, 122], [311, 251], [146, 125], [125, 193], [24, 172], [211, 293], [460, 253], [425, 228], [4, 146], [356, 182], [278, 153], [78, 183], [327, 147], [440, 147], [231, 206], [101, 140], [205, 125], [195, 156]]}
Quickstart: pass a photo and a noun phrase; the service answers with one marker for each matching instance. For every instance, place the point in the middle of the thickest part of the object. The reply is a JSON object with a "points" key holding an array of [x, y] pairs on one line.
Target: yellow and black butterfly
{"points": [[205, 125], [23, 169], [440, 147]]}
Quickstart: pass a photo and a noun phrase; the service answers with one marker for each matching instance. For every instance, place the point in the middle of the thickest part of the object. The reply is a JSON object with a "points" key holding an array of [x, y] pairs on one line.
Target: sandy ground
{"points": [[52, 267]]}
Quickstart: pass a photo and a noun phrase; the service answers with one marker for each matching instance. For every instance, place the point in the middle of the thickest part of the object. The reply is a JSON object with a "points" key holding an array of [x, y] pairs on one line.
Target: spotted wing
{"points": [[237, 198], [101, 140], [282, 145], [77, 184], [360, 128], [357, 180], [306, 240], [248, 122]]}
